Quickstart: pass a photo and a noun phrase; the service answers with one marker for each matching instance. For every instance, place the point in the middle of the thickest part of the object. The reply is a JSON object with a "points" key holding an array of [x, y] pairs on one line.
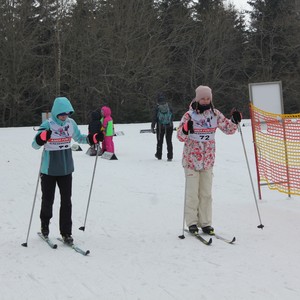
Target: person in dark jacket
{"points": [[95, 126], [55, 135], [162, 125]]}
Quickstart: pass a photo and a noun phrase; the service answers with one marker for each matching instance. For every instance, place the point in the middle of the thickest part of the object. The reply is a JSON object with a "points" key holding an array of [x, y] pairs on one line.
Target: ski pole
{"points": [[183, 222], [240, 130], [34, 199], [91, 187]]}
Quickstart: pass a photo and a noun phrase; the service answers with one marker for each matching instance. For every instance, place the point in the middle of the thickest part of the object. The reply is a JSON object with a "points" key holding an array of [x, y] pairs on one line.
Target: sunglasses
{"points": [[64, 114]]}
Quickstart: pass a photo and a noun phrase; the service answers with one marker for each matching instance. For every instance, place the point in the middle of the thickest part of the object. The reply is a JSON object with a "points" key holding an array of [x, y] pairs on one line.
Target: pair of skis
{"points": [[208, 242], [53, 245]]}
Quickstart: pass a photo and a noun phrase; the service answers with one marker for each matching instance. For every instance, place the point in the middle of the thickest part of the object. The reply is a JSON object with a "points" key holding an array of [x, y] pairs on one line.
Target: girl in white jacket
{"points": [[197, 130]]}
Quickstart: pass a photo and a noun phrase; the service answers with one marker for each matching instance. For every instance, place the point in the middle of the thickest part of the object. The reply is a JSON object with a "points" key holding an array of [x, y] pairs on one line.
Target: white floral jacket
{"points": [[198, 153]]}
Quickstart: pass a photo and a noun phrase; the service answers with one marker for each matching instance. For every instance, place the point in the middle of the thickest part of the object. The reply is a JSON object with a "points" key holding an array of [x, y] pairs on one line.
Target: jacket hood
{"points": [[61, 105], [106, 111]]}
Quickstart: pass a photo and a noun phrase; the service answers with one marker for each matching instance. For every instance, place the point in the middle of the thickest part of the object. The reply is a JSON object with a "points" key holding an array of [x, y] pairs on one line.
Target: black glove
{"points": [[188, 127], [43, 137], [95, 138], [152, 130], [236, 116]]}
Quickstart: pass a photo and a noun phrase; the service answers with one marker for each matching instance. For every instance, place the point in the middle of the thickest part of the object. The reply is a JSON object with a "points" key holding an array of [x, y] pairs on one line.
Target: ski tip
{"points": [[24, 244], [82, 228], [181, 237]]}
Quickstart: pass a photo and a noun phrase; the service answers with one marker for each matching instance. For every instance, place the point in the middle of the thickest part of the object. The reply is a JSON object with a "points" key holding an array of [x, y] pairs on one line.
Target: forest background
{"points": [[123, 53]]}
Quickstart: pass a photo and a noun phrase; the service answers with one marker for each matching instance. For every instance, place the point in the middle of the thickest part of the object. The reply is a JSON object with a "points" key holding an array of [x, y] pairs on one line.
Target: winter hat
{"points": [[161, 99], [203, 91]]}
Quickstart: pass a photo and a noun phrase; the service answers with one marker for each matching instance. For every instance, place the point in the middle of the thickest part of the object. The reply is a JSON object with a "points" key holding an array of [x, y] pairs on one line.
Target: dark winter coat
{"points": [[155, 121], [95, 123]]}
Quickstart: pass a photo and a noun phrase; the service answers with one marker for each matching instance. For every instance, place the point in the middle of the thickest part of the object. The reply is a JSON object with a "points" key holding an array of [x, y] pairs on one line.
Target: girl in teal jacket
{"points": [[57, 166]]}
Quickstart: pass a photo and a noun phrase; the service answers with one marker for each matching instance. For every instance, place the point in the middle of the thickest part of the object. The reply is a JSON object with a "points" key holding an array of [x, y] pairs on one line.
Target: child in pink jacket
{"points": [[197, 130], [108, 125]]}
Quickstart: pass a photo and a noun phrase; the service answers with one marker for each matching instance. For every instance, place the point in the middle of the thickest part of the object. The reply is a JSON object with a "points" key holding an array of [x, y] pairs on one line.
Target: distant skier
{"points": [[57, 166], [163, 121], [108, 129], [197, 130]]}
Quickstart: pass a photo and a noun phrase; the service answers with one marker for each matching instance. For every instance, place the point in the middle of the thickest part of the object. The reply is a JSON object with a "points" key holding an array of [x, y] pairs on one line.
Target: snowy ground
{"points": [[135, 217]]}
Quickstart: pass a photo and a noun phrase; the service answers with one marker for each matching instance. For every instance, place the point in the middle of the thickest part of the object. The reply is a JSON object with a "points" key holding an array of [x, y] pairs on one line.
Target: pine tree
{"points": [[273, 48]]}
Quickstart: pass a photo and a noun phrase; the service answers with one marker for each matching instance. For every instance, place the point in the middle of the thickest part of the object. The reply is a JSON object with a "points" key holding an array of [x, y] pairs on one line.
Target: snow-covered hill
{"points": [[134, 219]]}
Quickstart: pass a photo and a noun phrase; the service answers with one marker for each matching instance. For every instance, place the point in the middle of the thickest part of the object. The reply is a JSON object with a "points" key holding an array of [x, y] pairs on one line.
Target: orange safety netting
{"points": [[277, 142]]}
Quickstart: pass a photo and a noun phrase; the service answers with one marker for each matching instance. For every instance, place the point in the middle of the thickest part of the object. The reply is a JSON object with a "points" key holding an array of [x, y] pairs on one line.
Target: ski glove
{"points": [[236, 116], [95, 138], [188, 127], [152, 130], [43, 137]]}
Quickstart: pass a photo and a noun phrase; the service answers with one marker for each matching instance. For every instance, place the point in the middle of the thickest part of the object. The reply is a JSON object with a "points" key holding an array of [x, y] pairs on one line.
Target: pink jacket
{"points": [[200, 154], [107, 121]]}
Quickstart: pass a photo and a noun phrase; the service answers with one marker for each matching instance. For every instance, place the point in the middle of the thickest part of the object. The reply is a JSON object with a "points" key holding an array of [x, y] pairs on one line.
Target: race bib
{"points": [[61, 136], [205, 126], [203, 134]]}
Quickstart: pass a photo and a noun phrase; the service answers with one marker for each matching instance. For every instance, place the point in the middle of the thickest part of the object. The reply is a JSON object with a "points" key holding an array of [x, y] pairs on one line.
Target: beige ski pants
{"points": [[198, 197]]}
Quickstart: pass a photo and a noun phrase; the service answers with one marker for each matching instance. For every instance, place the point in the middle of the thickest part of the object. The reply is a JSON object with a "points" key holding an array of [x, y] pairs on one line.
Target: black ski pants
{"points": [[48, 184], [161, 132]]}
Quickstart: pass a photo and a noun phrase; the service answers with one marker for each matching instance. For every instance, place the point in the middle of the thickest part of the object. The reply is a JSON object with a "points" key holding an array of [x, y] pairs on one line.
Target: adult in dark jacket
{"points": [[95, 126], [162, 125], [95, 123]]}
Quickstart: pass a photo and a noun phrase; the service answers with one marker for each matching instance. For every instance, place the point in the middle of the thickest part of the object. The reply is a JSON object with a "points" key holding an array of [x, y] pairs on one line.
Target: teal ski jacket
{"points": [[57, 157]]}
